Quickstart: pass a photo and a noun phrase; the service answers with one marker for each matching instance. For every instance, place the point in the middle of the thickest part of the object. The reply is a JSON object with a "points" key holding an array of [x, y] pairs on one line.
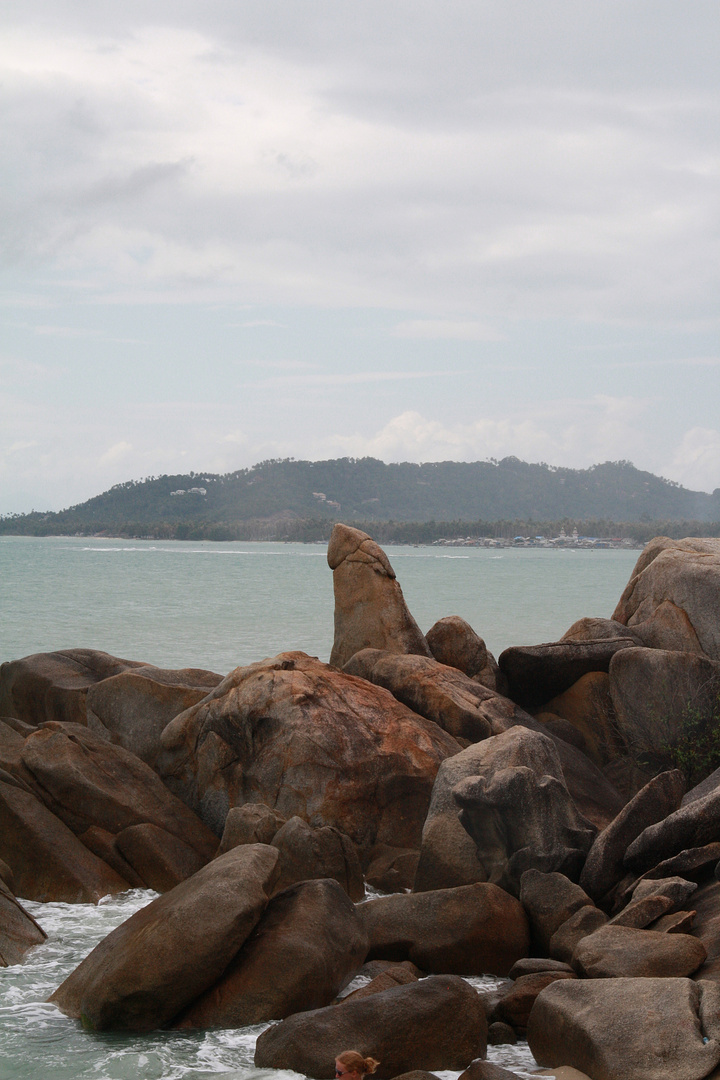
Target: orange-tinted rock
{"points": [[310, 741], [453, 641], [370, 610], [587, 705], [538, 673]]}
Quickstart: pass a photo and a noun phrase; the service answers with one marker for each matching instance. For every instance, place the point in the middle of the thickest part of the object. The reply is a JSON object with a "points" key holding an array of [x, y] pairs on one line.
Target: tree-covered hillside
{"points": [[367, 490]]}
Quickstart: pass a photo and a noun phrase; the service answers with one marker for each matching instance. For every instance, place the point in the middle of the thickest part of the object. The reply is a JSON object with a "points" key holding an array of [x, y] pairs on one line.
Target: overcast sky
{"points": [[241, 229]]}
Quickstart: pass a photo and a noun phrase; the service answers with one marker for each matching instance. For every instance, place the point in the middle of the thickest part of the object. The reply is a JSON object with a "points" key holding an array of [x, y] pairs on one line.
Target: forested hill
{"points": [[367, 490]]}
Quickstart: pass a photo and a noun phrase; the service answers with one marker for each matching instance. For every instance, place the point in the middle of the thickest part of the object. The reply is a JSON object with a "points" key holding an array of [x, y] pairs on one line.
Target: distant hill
{"points": [[366, 490]]}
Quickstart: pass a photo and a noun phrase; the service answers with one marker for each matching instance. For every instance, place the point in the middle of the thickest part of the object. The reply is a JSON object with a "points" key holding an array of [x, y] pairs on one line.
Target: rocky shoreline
{"points": [[552, 816]]}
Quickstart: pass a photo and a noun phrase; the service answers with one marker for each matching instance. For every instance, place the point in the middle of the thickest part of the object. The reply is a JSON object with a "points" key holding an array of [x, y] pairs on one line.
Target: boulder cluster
{"points": [[551, 818]]}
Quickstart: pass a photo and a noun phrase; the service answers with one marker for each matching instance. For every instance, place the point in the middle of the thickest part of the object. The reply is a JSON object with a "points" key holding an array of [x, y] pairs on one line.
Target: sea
{"points": [[216, 606]]}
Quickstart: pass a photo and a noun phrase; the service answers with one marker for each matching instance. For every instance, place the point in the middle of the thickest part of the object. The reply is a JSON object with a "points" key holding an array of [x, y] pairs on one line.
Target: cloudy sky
{"points": [[241, 229]]}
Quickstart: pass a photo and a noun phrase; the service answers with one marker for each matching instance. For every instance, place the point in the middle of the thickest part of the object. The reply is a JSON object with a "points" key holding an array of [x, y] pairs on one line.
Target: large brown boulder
{"points": [[604, 866], [133, 707], [453, 641], [470, 930], [684, 574], [516, 1000], [18, 930], [458, 704], [253, 823], [160, 859], [437, 1023], [165, 955], [310, 741], [538, 673], [54, 686], [659, 695], [370, 610], [87, 781], [307, 946], [519, 812], [616, 952], [706, 927], [628, 1029], [48, 862], [307, 853], [587, 706]]}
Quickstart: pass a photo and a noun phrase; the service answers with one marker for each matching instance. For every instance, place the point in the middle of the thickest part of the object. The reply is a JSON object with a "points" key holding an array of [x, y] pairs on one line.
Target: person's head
{"points": [[350, 1065]]}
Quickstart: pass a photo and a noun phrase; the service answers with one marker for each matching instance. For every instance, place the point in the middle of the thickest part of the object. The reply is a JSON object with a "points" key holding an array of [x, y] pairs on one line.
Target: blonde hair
{"points": [[356, 1063]]}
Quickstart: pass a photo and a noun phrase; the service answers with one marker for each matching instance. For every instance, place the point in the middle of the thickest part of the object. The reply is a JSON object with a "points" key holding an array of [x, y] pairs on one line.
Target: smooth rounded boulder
{"points": [[437, 1023], [615, 952], [370, 610], [453, 641], [164, 956], [549, 901], [306, 947], [310, 741], [470, 930], [628, 1029]]}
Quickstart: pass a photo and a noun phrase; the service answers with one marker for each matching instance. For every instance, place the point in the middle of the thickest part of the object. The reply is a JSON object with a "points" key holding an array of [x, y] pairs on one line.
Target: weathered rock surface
{"points": [[486, 1070], [310, 741], [516, 1001], [47, 860], [639, 914], [305, 948], [133, 707], [438, 1023], [587, 706], [18, 930], [684, 573], [317, 853], [253, 823], [615, 952], [440, 693], [370, 610], [677, 889], [102, 843], [585, 921], [453, 641], [656, 692], [165, 955], [706, 927], [87, 781], [160, 859], [397, 975], [693, 825], [549, 901], [604, 866], [469, 930], [628, 1029], [533, 965], [53, 686], [501, 1034], [538, 673], [520, 813], [391, 869]]}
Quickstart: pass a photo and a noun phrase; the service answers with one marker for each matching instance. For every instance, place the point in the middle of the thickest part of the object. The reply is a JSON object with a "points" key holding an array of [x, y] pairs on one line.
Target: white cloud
{"points": [[119, 451], [696, 461], [446, 329]]}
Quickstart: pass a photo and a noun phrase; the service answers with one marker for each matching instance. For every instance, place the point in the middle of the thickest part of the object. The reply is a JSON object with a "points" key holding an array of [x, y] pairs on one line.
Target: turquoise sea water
{"points": [[178, 604]]}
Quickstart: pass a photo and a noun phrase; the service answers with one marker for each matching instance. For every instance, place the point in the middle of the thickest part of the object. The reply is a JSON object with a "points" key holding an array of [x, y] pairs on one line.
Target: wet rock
{"points": [[391, 869], [159, 858], [486, 1070], [317, 853], [517, 1000], [616, 952], [469, 930], [132, 708], [53, 686], [693, 825], [370, 610], [501, 1034], [48, 862], [634, 1029], [533, 965], [437, 1023], [253, 823], [439, 693], [521, 815], [566, 938], [19, 932], [87, 781], [657, 693], [549, 901], [165, 955], [396, 975], [305, 948], [538, 673], [684, 573], [310, 741], [604, 866], [453, 641]]}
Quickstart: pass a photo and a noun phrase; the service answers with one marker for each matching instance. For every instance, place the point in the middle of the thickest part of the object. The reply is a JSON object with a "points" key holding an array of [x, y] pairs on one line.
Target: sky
{"points": [[234, 231]]}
